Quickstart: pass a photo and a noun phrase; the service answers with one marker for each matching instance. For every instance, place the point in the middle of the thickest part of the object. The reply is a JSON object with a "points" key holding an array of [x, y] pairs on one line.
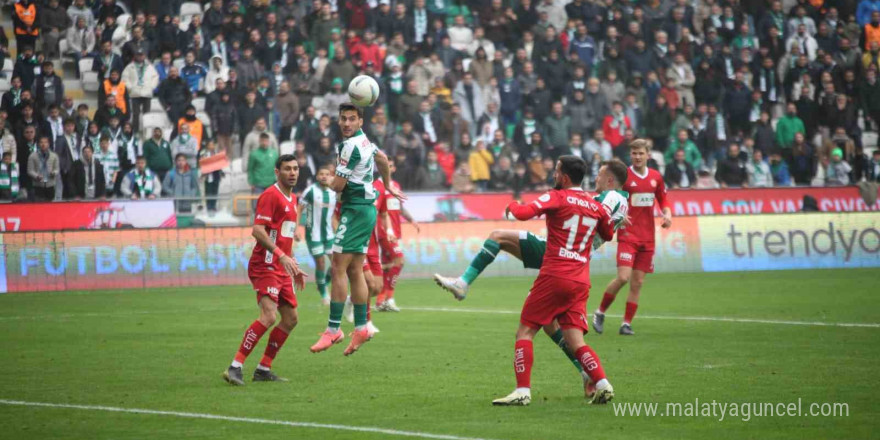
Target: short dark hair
{"points": [[178, 156], [284, 158], [141, 156], [264, 136], [7, 154], [574, 167], [86, 146], [618, 169], [347, 106], [69, 121]]}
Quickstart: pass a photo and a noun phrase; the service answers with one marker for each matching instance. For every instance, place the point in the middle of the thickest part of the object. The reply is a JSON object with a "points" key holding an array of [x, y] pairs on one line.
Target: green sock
{"points": [[336, 309], [559, 340], [320, 280], [484, 258], [327, 278], [360, 315]]}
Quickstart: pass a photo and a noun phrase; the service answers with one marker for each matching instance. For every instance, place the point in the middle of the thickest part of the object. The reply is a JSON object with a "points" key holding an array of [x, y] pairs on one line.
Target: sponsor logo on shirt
{"points": [[565, 253], [643, 200], [263, 217], [580, 202], [626, 256]]}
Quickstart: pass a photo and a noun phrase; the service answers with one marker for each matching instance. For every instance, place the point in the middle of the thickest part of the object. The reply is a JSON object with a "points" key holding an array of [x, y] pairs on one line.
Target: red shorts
{"points": [[390, 251], [372, 263], [556, 298], [639, 256], [279, 289]]}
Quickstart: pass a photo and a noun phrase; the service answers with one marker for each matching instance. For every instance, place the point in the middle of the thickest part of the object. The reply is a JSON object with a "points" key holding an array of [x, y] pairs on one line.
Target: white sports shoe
{"points": [[391, 306], [516, 398], [371, 329], [348, 311], [456, 286], [604, 392]]}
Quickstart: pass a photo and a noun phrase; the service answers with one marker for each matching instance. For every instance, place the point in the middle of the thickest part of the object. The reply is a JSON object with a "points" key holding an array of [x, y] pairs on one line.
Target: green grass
{"points": [[436, 372]]}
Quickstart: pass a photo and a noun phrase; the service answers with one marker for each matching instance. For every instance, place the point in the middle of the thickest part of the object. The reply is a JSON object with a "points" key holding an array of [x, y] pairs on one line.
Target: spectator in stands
{"points": [[43, 168], [779, 169], [838, 170], [185, 144], [193, 73], [763, 134], [461, 179], [435, 176], [217, 71], [325, 155], [786, 129], [261, 165], [305, 84], [7, 139], [469, 96], [138, 43], [140, 182], [67, 147], [249, 113], [157, 152], [196, 127], [557, 129], [657, 124], [595, 151], [873, 168], [212, 179], [181, 183], [141, 79], [691, 152], [114, 95], [732, 169], [802, 162], [679, 172], [52, 125], [88, 178], [107, 61], [409, 142], [334, 96], [9, 174], [26, 20], [224, 120], [253, 140], [164, 65], [12, 97], [78, 10], [174, 94], [615, 125], [759, 171], [480, 162], [48, 87]]}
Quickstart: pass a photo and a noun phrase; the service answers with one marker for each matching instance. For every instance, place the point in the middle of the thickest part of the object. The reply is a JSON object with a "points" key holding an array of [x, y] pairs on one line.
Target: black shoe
{"points": [[267, 376], [233, 376], [598, 322], [626, 330]]}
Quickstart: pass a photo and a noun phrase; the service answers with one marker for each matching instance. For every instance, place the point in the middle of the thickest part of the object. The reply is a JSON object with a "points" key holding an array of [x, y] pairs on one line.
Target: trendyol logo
{"points": [[833, 240]]}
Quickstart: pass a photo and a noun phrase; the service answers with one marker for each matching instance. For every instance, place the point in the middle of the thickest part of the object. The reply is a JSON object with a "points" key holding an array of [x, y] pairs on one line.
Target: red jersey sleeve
{"points": [[660, 194], [547, 202], [265, 209]]}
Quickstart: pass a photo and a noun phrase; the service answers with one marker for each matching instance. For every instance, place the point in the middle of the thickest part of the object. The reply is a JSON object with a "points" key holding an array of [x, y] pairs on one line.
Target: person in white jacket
{"points": [[217, 70], [141, 78], [80, 41]]}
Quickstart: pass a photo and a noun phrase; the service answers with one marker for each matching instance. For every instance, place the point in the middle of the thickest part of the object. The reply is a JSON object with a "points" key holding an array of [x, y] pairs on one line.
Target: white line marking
{"points": [[189, 415], [668, 317]]}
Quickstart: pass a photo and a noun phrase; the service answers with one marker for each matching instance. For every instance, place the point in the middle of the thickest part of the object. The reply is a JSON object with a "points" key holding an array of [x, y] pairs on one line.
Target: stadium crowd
{"points": [[476, 95]]}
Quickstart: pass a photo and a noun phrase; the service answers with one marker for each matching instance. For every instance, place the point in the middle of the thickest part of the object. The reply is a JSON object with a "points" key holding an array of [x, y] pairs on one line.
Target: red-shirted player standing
{"points": [[635, 242], [389, 243], [561, 290], [273, 272], [373, 272]]}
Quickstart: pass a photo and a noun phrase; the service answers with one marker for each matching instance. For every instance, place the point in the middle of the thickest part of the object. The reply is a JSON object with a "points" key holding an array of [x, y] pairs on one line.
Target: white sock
{"points": [[236, 364], [602, 384], [262, 368], [332, 330], [599, 312], [526, 391]]}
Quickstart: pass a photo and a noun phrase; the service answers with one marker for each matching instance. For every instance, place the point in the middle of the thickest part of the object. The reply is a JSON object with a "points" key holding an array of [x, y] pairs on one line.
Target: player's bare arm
{"points": [[667, 218], [385, 223], [337, 184], [406, 215], [385, 171]]}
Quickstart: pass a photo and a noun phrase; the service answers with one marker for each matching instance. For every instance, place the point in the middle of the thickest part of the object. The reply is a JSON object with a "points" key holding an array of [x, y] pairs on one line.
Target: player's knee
{"points": [[289, 322], [623, 278], [496, 235], [267, 319]]}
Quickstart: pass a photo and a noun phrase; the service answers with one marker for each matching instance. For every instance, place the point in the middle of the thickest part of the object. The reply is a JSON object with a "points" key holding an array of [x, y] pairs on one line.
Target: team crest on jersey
{"points": [[287, 209], [544, 198], [653, 183], [344, 219]]}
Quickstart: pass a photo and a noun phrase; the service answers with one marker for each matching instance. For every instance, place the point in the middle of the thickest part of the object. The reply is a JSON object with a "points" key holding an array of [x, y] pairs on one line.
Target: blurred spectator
{"points": [[287, 105], [193, 73], [838, 170], [9, 186], [408, 142], [26, 21], [334, 97], [43, 167], [325, 154], [657, 124], [157, 152], [212, 180], [691, 152], [174, 94], [503, 176], [248, 114], [67, 147], [480, 163], [196, 127], [182, 182], [779, 169], [185, 144], [679, 172], [759, 171], [446, 160], [261, 164], [615, 125], [140, 182], [89, 178], [218, 70], [109, 159], [705, 180], [469, 96], [873, 169], [461, 179], [48, 87], [107, 61], [802, 162], [141, 79], [595, 151], [732, 169]]}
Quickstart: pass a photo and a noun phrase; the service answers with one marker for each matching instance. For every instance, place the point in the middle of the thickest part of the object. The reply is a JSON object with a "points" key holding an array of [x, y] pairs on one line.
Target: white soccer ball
{"points": [[363, 91]]}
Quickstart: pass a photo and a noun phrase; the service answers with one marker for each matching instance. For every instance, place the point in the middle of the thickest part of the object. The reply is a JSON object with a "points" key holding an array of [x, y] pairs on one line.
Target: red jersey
{"points": [[392, 206], [373, 248], [277, 213], [643, 191], [573, 218]]}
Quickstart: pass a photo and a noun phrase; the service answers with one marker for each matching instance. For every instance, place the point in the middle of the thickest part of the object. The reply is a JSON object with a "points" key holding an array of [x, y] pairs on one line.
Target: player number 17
{"points": [[572, 226]]}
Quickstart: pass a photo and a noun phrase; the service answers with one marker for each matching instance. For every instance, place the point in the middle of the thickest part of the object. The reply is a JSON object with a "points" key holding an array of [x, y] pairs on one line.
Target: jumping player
{"points": [[392, 254], [529, 248], [357, 158], [561, 290], [635, 242], [273, 272], [318, 202]]}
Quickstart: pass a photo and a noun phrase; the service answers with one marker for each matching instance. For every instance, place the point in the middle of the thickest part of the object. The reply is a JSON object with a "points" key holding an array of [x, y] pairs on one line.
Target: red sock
{"points": [[391, 276], [630, 312], [276, 340], [590, 361], [607, 299], [380, 298], [251, 337], [523, 357]]}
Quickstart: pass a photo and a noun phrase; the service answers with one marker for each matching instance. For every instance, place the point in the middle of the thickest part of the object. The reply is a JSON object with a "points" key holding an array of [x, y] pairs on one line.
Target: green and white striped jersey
{"points": [[355, 163], [320, 202], [615, 203]]}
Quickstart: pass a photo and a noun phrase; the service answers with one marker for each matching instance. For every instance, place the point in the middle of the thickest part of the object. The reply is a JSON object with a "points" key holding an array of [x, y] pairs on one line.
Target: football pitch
{"points": [[140, 364]]}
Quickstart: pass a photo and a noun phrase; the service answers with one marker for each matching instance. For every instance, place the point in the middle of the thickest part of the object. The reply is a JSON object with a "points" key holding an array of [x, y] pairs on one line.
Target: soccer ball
{"points": [[363, 91]]}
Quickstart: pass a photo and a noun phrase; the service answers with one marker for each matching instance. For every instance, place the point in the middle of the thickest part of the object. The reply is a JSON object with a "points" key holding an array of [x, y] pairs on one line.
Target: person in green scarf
{"points": [[140, 182]]}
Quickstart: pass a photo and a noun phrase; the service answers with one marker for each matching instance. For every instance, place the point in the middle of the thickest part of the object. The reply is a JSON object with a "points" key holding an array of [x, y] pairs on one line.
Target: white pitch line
{"points": [[673, 318], [189, 415]]}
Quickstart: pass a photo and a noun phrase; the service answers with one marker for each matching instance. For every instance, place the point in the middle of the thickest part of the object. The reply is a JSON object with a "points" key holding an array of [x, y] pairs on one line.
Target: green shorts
{"points": [[356, 224], [317, 248], [532, 249]]}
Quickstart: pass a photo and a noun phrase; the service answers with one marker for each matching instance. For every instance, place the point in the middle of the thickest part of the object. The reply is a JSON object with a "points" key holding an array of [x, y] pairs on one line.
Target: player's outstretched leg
{"points": [[499, 240], [333, 334], [623, 276], [589, 360], [360, 296], [277, 337]]}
